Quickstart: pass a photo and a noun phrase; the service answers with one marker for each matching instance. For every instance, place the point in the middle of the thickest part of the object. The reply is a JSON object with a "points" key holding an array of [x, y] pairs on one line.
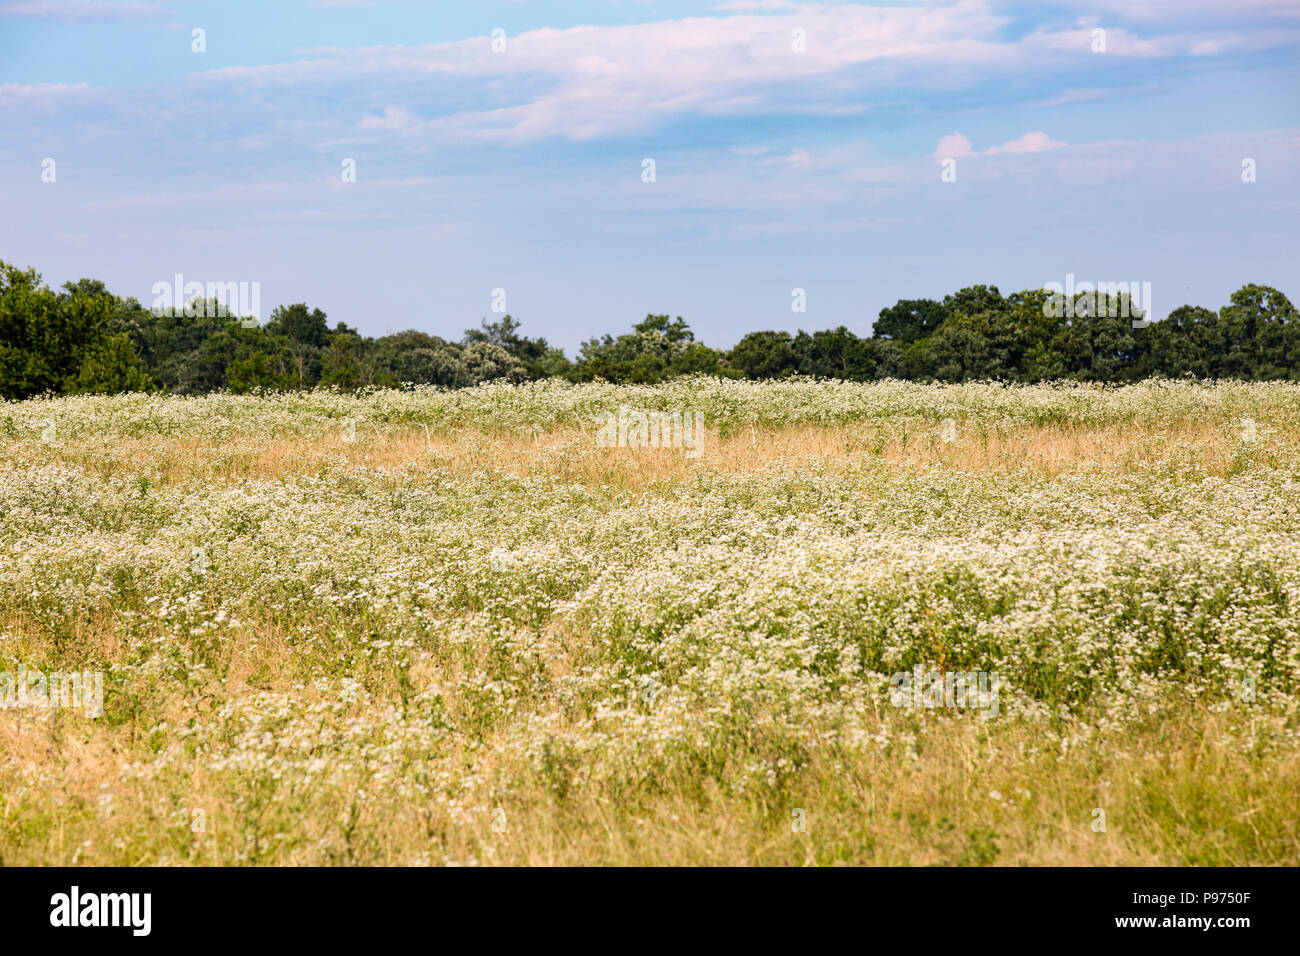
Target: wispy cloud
{"points": [[958, 146], [784, 158], [73, 11]]}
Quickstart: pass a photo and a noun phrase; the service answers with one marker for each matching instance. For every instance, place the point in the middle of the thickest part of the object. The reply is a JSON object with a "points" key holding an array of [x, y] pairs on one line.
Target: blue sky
{"points": [[776, 168]]}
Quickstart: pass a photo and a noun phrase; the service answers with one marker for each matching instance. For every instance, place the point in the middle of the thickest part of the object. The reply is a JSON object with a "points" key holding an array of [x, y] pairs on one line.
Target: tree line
{"points": [[84, 339]]}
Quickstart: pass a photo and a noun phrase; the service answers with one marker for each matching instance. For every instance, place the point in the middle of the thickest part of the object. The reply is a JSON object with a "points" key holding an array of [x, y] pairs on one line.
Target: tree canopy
{"points": [[84, 339]]}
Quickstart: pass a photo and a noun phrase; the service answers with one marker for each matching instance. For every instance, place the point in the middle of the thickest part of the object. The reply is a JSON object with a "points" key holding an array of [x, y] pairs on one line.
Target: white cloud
{"points": [[1180, 11], [953, 146], [1124, 43], [395, 118], [757, 6], [1035, 142], [586, 82], [590, 82], [1075, 96], [796, 158], [957, 146]]}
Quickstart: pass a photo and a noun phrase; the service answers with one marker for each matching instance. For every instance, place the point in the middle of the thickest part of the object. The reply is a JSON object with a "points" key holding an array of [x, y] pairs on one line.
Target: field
{"points": [[425, 627]]}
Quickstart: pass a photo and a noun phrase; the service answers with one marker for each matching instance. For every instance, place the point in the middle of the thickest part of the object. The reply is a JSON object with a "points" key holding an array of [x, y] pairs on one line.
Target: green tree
{"points": [[419, 359], [299, 323], [1260, 335], [60, 342], [538, 358], [765, 355], [341, 361], [836, 353], [484, 362], [975, 299], [1188, 342], [243, 359], [110, 366], [909, 320], [656, 349]]}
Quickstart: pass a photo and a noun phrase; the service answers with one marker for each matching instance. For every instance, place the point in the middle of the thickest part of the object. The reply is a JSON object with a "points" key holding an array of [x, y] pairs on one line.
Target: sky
{"points": [[860, 152]]}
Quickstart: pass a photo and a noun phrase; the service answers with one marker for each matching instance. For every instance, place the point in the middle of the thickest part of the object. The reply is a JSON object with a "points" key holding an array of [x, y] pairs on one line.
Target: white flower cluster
{"points": [[360, 632]]}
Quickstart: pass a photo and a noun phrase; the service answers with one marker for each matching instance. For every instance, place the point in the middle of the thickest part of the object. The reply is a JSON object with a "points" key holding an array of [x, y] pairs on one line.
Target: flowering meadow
{"points": [[435, 627]]}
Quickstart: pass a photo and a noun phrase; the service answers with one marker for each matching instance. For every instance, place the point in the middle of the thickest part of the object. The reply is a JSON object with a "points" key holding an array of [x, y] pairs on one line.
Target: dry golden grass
{"points": [[570, 455], [1181, 789], [528, 779], [1170, 795]]}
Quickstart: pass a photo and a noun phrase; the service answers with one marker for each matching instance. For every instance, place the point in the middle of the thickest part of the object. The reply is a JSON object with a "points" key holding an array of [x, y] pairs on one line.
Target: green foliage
{"points": [[300, 324], [341, 362], [419, 359], [538, 359], [61, 342], [655, 350], [1261, 335], [841, 354], [765, 355], [108, 367], [85, 339], [909, 320], [485, 362], [978, 334]]}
